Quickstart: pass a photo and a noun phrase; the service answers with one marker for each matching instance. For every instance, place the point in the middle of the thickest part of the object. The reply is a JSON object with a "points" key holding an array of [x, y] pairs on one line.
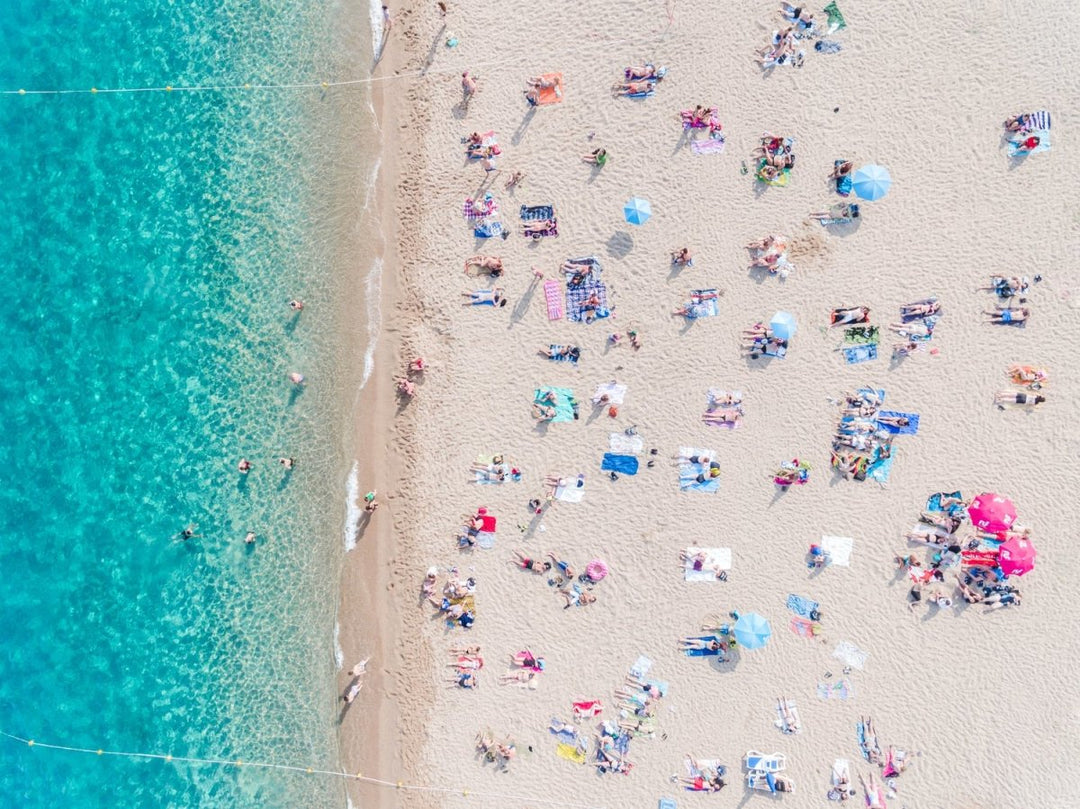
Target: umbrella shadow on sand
{"points": [[620, 244]]}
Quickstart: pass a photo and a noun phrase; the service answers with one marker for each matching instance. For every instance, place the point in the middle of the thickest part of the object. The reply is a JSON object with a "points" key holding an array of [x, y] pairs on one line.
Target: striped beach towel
{"points": [[530, 213], [1039, 120], [473, 209], [553, 295], [576, 297]]}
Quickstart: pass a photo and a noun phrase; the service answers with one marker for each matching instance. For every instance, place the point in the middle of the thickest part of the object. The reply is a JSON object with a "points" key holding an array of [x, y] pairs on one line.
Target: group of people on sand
{"points": [[499, 753], [860, 438], [575, 589], [770, 253], [759, 339], [774, 155], [973, 558], [405, 385], [1023, 133], [1028, 382], [701, 117], [1005, 288], [457, 602], [639, 80], [916, 326]]}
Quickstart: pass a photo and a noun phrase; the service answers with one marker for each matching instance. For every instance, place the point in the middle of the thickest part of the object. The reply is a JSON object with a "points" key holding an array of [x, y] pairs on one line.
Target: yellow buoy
{"points": [[100, 752], [22, 92], [247, 86], [399, 784], [93, 90], [168, 88], [310, 770], [30, 743]]}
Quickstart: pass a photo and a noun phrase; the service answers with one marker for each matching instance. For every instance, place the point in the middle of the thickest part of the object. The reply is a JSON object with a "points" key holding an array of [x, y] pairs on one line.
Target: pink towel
{"points": [[553, 293]]}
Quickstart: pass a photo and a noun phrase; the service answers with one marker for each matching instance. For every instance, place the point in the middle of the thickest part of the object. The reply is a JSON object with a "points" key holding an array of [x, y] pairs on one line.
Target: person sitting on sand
{"points": [[1011, 397], [905, 349], [682, 257], [850, 316], [538, 226], [526, 562], [1007, 316], [597, 157], [644, 72], [406, 388], [920, 308], [1006, 286], [1018, 123], [840, 212], [515, 178], [771, 242], [842, 169], [929, 537], [492, 265], [564, 567], [468, 86], [495, 297], [543, 412]]}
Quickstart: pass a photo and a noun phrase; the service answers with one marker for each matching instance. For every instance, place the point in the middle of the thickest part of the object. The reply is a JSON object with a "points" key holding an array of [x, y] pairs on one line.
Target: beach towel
{"points": [[711, 145], [485, 540], [553, 295], [641, 667], [859, 354], [620, 464], [1044, 143], [570, 752], [840, 773], [703, 303], [530, 213], [841, 689], [567, 735], [712, 765], [587, 709], [487, 141], [880, 469], [804, 627], [615, 392], [850, 655], [549, 95], [705, 652], [576, 297], [779, 181], [910, 429], [861, 335], [732, 417], [624, 444], [716, 560], [573, 491], [666, 803], [564, 408], [485, 207], [562, 356], [839, 549], [801, 606], [933, 503], [688, 472], [490, 476], [836, 19], [793, 711], [488, 229]]}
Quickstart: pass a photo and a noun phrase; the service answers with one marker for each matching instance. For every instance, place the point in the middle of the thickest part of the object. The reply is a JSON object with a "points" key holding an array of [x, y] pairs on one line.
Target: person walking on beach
{"points": [[468, 87]]}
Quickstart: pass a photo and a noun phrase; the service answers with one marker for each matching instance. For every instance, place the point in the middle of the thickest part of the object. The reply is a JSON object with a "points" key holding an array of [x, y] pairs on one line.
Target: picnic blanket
{"points": [[859, 354], [716, 559], [705, 652], [688, 472], [703, 303], [711, 145], [620, 464], [911, 428], [553, 295], [850, 655], [861, 335], [933, 503], [839, 549], [549, 95], [564, 408], [480, 209], [576, 297], [626, 444], [615, 392], [570, 752], [571, 492], [801, 606], [841, 689]]}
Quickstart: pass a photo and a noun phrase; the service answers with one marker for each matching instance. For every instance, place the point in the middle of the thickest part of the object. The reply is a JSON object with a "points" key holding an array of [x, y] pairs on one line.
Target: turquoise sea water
{"points": [[150, 244]]}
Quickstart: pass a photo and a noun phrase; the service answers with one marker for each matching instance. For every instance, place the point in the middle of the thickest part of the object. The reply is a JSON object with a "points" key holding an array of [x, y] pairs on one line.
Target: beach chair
{"points": [[768, 782], [772, 763]]}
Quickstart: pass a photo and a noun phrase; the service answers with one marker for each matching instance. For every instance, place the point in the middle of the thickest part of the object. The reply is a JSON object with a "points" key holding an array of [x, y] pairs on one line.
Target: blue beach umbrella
{"points": [[871, 182], [783, 325], [637, 211], [752, 631]]}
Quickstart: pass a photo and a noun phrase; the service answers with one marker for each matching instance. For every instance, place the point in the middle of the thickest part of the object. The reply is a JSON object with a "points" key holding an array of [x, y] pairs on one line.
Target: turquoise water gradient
{"points": [[148, 248]]}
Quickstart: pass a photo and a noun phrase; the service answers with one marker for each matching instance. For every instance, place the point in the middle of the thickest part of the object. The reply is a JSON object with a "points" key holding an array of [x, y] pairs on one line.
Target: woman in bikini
{"points": [[528, 563], [849, 316]]}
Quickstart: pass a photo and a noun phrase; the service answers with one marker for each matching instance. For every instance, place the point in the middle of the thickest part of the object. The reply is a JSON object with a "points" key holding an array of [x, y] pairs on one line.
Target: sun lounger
{"points": [[716, 561], [909, 429], [768, 782], [553, 296], [850, 655], [795, 725], [620, 464], [775, 762], [705, 652], [838, 549], [549, 95]]}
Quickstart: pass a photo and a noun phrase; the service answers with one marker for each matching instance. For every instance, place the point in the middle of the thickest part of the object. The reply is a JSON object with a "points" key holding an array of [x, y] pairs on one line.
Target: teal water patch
{"points": [[150, 245]]}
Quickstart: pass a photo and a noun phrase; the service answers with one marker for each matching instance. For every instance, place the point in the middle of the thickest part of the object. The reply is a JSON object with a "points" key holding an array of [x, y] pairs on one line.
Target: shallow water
{"points": [[152, 243]]}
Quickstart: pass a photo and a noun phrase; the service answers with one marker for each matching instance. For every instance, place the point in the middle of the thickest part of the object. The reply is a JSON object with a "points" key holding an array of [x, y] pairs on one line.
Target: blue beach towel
{"points": [[688, 481], [622, 464], [488, 230], [880, 470], [933, 503], [576, 297], [860, 354], [801, 606], [880, 392], [705, 652], [565, 356], [910, 429], [1044, 143]]}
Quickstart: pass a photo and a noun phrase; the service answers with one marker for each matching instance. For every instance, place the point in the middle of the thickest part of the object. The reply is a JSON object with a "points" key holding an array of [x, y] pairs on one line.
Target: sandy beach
{"points": [[969, 692]]}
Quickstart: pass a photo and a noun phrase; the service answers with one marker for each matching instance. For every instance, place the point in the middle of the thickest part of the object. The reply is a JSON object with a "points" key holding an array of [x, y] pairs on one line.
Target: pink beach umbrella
{"points": [[1016, 556], [992, 512], [596, 569]]}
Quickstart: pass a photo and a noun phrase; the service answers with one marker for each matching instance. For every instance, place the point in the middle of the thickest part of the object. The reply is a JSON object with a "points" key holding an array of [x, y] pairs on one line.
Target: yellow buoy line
{"points": [[221, 762]]}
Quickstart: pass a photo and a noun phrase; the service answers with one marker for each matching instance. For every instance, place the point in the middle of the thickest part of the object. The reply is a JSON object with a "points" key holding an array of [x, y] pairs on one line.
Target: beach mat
{"points": [[880, 470], [616, 393], [862, 335], [933, 503], [551, 95], [715, 559], [1044, 143], [836, 19], [839, 549], [860, 354], [910, 429], [553, 296], [624, 444], [850, 655], [530, 213], [801, 606], [564, 409], [620, 464], [572, 493], [688, 472], [570, 752], [711, 145], [576, 297], [705, 652]]}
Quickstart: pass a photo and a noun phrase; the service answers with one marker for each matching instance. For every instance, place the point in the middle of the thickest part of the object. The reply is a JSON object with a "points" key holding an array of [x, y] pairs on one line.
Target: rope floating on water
{"points": [[220, 762]]}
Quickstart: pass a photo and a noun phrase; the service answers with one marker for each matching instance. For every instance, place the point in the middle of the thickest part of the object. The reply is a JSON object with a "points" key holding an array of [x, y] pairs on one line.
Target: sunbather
{"points": [[633, 88], [1012, 397], [564, 567], [467, 663], [711, 644], [893, 421], [464, 679], [791, 721], [697, 562], [725, 399], [520, 676], [768, 172], [849, 316], [840, 212], [1018, 123], [543, 412], [1028, 144], [929, 537], [920, 329], [759, 331], [492, 265], [542, 82], [525, 562], [515, 178], [768, 259], [1002, 599], [1006, 316], [538, 226], [495, 297], [645, 72], [576, 597], [1028, 376], [721, 418], [1006, 286], [561, 352], [920, 308], [875, 795], [682, 257], [406, 388], [941, 519], [597, 157], [842, 169]]}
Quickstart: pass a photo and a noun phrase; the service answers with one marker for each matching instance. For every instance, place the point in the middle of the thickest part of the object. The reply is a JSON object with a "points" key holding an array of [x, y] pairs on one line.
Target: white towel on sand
{"points": [[850, 654], [624, 444], [715, 559], [839, 549], [615, 392]]}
